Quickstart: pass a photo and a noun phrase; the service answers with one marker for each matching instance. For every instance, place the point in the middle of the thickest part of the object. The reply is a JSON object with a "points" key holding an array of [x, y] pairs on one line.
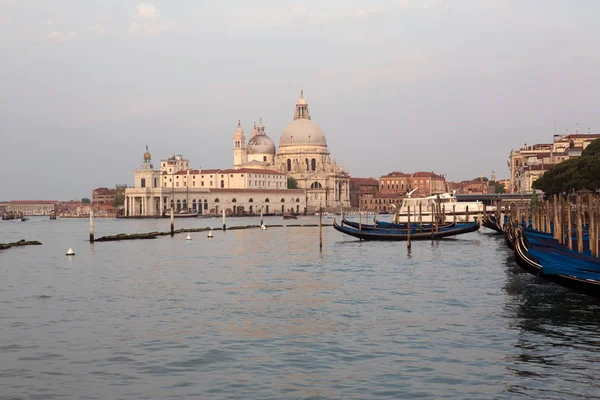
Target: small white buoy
{"points": [[188, 237], [70, 252], [210, 235], [263, 227]]}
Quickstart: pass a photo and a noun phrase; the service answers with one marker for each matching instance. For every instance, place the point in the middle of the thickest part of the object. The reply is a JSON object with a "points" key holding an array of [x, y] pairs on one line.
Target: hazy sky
{"points": [[449, 86]]}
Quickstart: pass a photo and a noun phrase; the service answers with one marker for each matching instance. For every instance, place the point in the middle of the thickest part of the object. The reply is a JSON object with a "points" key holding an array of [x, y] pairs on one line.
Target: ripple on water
{"points": [[272, 317]]}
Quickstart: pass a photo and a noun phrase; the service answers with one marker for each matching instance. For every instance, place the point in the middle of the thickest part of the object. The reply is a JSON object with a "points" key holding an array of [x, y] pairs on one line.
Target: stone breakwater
{"points": [[154, 235], [22, 242]]}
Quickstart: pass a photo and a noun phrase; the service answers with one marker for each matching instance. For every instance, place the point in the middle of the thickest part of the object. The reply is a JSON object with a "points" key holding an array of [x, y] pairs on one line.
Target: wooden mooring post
{"points": [[592, 224], [320, 227], [569, 225], [408, 234], [579, 224], [91, 226], [172, 223]]}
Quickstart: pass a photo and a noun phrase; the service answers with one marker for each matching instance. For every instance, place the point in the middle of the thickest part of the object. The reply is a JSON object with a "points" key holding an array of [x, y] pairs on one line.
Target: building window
{"points": [[265, 158], [177, 184], [143, 182], [313, 164], [289, 164], [222, 183]]}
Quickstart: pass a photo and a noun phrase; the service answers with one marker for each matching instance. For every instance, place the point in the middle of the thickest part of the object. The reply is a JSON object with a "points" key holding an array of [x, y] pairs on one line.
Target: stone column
{"points": [[125, 205]]}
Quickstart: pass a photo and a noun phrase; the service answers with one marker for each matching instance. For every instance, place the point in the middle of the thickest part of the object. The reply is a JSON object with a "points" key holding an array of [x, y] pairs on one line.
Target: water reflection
{"points": [[559, 330]]}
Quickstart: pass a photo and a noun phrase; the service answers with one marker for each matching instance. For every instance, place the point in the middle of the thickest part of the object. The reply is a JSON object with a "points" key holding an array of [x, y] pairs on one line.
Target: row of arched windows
{"points": [[311, 167]]}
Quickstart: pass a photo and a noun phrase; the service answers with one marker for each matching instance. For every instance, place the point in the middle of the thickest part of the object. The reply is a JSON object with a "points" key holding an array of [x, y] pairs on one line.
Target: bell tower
{"points": [[239, 147]]}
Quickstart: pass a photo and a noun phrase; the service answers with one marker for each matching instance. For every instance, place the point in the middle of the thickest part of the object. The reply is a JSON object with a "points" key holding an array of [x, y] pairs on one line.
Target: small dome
{"points": [[261, 144], [171, 157], [302, 131], [147, 156]]}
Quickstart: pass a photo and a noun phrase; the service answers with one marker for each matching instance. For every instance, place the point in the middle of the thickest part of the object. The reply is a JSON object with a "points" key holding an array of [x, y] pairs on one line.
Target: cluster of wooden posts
{"points": [[563, 217]]}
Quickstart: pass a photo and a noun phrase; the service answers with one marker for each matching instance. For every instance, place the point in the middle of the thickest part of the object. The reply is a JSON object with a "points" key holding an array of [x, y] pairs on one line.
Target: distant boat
{"points": [[180, 214], [290, 216], [24, 218]]}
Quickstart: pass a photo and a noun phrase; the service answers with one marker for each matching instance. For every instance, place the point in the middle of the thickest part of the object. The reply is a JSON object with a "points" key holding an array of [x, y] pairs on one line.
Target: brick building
{"points": [[426, 183], [362, 186]]}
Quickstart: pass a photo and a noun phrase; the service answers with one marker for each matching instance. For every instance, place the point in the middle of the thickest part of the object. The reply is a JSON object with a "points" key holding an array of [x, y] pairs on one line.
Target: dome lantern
{"points": [[302, 130]]}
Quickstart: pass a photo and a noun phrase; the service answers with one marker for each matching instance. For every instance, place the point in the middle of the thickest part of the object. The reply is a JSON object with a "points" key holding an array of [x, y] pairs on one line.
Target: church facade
{"points": [[258, 180], [302, 154]]}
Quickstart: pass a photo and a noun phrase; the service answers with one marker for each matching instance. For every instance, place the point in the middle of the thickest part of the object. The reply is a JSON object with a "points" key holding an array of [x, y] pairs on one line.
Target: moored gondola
{"points": [[558, 265], [399, 235], [382, 225]]}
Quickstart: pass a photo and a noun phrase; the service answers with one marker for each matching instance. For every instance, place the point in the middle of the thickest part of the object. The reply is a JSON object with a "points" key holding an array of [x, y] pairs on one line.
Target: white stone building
{"points": [[239, 191], [303, 154], [259, 175]]}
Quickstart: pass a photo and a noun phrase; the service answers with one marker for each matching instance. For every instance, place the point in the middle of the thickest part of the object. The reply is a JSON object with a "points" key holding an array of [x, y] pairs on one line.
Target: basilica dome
{"points": [[261, 144], [302, 130]]}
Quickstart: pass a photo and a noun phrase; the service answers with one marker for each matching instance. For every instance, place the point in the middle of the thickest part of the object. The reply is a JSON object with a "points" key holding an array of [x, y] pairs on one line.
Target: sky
{"points": [[449, 86]]}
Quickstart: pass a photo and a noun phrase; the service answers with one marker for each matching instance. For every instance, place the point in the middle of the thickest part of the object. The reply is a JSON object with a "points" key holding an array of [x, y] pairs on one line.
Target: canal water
{"points": [[254, 314]]}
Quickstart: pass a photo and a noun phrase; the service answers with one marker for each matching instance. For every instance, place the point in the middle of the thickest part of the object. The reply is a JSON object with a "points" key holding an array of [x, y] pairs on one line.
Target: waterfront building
{"points": [[425, 183], [208, 191], [475, 186], [31, 207], [257, 165], [303, 154], [105, 195], [531, 161], [379, 202], [360, 187]]}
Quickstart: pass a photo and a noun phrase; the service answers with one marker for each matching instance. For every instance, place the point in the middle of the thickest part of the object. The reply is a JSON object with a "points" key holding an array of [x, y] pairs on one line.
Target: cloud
{"points": [[147, 23], [298, 11], [362, 12], [98, 28], [254, 84], [4, 19], [59, 37], [407, 70], [147, 11]]}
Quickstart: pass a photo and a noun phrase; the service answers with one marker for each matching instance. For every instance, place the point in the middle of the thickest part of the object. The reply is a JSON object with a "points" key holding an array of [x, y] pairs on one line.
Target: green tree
{"points": [[574, 174], [481, 178], [119, 200], [292, 183], [85, 200], [498, 187]]}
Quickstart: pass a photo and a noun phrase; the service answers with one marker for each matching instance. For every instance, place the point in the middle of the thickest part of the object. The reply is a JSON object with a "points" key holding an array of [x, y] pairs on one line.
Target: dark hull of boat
{"points": [[385, 226], [491, 224], [392, 236], [589, 287]]}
